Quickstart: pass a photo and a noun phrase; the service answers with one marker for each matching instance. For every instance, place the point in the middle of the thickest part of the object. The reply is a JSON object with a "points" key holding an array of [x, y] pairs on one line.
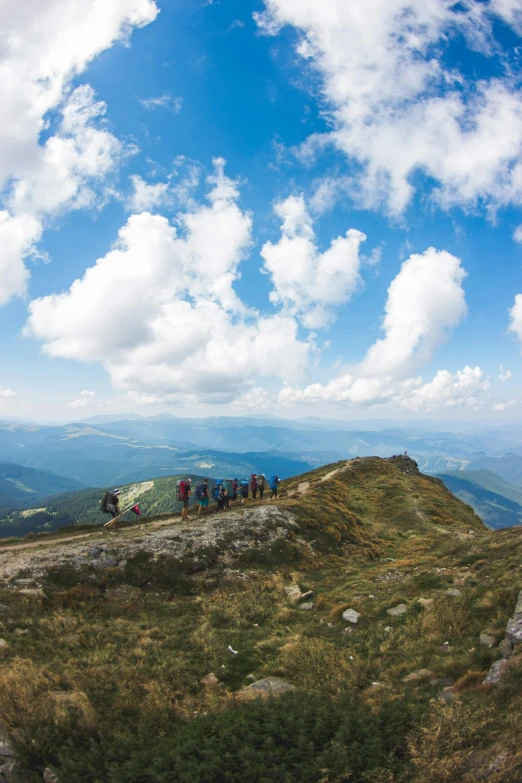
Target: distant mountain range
{"points": [[108, 450], [22, 487], [496, 501]]}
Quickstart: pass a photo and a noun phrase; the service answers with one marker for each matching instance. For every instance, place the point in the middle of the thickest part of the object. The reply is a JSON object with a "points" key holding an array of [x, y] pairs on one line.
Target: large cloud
{"points": [[307, 282], [44, 44], [396, 109], [160, 311], [425, 300]]}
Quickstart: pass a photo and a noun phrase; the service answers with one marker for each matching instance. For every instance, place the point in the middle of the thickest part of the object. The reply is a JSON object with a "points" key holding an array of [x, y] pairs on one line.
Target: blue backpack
{"points": [[245, 484], [274, 481], [216, 492]]}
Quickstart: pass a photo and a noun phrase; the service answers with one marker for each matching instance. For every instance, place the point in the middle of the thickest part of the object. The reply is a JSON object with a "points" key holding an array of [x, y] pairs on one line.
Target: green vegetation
{"points": [[106, 685]]}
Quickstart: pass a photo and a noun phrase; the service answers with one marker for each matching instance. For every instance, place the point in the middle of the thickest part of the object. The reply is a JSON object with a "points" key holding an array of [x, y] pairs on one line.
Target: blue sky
{"points": [[386, 118]]}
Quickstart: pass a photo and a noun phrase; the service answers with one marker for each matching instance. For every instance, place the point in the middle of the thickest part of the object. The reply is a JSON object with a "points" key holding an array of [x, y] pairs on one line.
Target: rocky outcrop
{"points": [[405, 464], [513, 637], [226, 535]]}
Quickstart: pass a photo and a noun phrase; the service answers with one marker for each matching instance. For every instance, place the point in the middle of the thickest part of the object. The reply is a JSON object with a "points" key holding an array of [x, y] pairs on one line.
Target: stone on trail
{"points": [[486, 640], [308, 605], [351, 616], [454, 593], [293, 593], [396, 611]]}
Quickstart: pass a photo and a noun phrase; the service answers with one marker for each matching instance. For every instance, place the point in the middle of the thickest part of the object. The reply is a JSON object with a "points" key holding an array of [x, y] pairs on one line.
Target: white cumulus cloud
{"points": [[43, 47], [504, 375], [160, 311], [86, 399], [396, 110], [307, 282]]}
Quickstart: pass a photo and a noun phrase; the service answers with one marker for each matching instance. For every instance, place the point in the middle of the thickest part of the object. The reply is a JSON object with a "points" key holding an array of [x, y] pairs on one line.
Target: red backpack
{"points": [[181, 488], [253, 481]]}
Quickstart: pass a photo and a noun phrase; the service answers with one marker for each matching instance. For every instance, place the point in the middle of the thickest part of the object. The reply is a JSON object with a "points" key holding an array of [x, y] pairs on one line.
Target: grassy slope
{"points": [[496, 501], [110, 672]]}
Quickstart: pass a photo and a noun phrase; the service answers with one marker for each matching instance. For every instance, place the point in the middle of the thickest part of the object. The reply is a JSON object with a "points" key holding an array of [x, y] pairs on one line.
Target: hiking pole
{"points": [[115, 519]]}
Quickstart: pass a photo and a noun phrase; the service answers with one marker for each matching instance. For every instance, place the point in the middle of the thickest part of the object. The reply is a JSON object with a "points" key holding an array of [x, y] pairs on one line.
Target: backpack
{"points": [[261, 481], [244, 486], [274, 481], [218, 489], [253, 481], [181, 488], [104, 502], [200, 490]]}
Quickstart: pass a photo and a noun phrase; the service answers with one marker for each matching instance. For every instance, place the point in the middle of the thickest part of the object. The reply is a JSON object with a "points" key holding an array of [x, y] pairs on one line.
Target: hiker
{"points": [[261, 484], [244, 490], [235, 490], [183, 493], [227, 492], [219, 495], [202, 495], [274, 483], [253, 485], [111, 505]]}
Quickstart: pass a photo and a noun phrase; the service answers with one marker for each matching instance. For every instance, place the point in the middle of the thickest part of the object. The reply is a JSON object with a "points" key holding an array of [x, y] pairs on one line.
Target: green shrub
{"points": [[297, 738]]}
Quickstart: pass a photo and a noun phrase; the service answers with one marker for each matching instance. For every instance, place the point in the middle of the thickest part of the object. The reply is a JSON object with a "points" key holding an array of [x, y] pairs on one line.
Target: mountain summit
{"points": [[367, 602]]}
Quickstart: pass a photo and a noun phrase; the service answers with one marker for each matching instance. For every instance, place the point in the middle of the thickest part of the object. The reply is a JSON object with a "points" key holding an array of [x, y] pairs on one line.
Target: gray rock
{"points": [[25, 582], [506, 648], [33, 592], [496, 672], [308, 605], [514, 626], [268, 685], [396, 611], [307, 595], [210, 679], [293, 593], [454, 593], [486, 640], [351, 616], [49, 776]]}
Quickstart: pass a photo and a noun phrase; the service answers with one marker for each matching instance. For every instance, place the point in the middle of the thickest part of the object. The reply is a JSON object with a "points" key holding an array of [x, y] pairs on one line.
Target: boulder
{"points": [[396, 611], [307, 595], [499, 669], [293, 593], [351, 616]]}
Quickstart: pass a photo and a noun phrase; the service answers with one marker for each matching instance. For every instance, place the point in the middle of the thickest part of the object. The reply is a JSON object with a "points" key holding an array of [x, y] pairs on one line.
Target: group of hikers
{"points": [[225, 492]]}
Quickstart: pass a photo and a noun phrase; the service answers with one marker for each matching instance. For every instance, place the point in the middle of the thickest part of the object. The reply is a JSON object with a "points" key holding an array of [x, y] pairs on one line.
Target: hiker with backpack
{"points": [[219, 494], [253, 485], [235, 490], [202, 495], [261, 484], [111, 505], [244, 487], [183, 493], [274, 484]]}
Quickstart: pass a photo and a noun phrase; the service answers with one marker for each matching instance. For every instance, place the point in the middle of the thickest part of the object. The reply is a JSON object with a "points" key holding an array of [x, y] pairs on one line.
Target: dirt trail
{"points": [[305, 485]]}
